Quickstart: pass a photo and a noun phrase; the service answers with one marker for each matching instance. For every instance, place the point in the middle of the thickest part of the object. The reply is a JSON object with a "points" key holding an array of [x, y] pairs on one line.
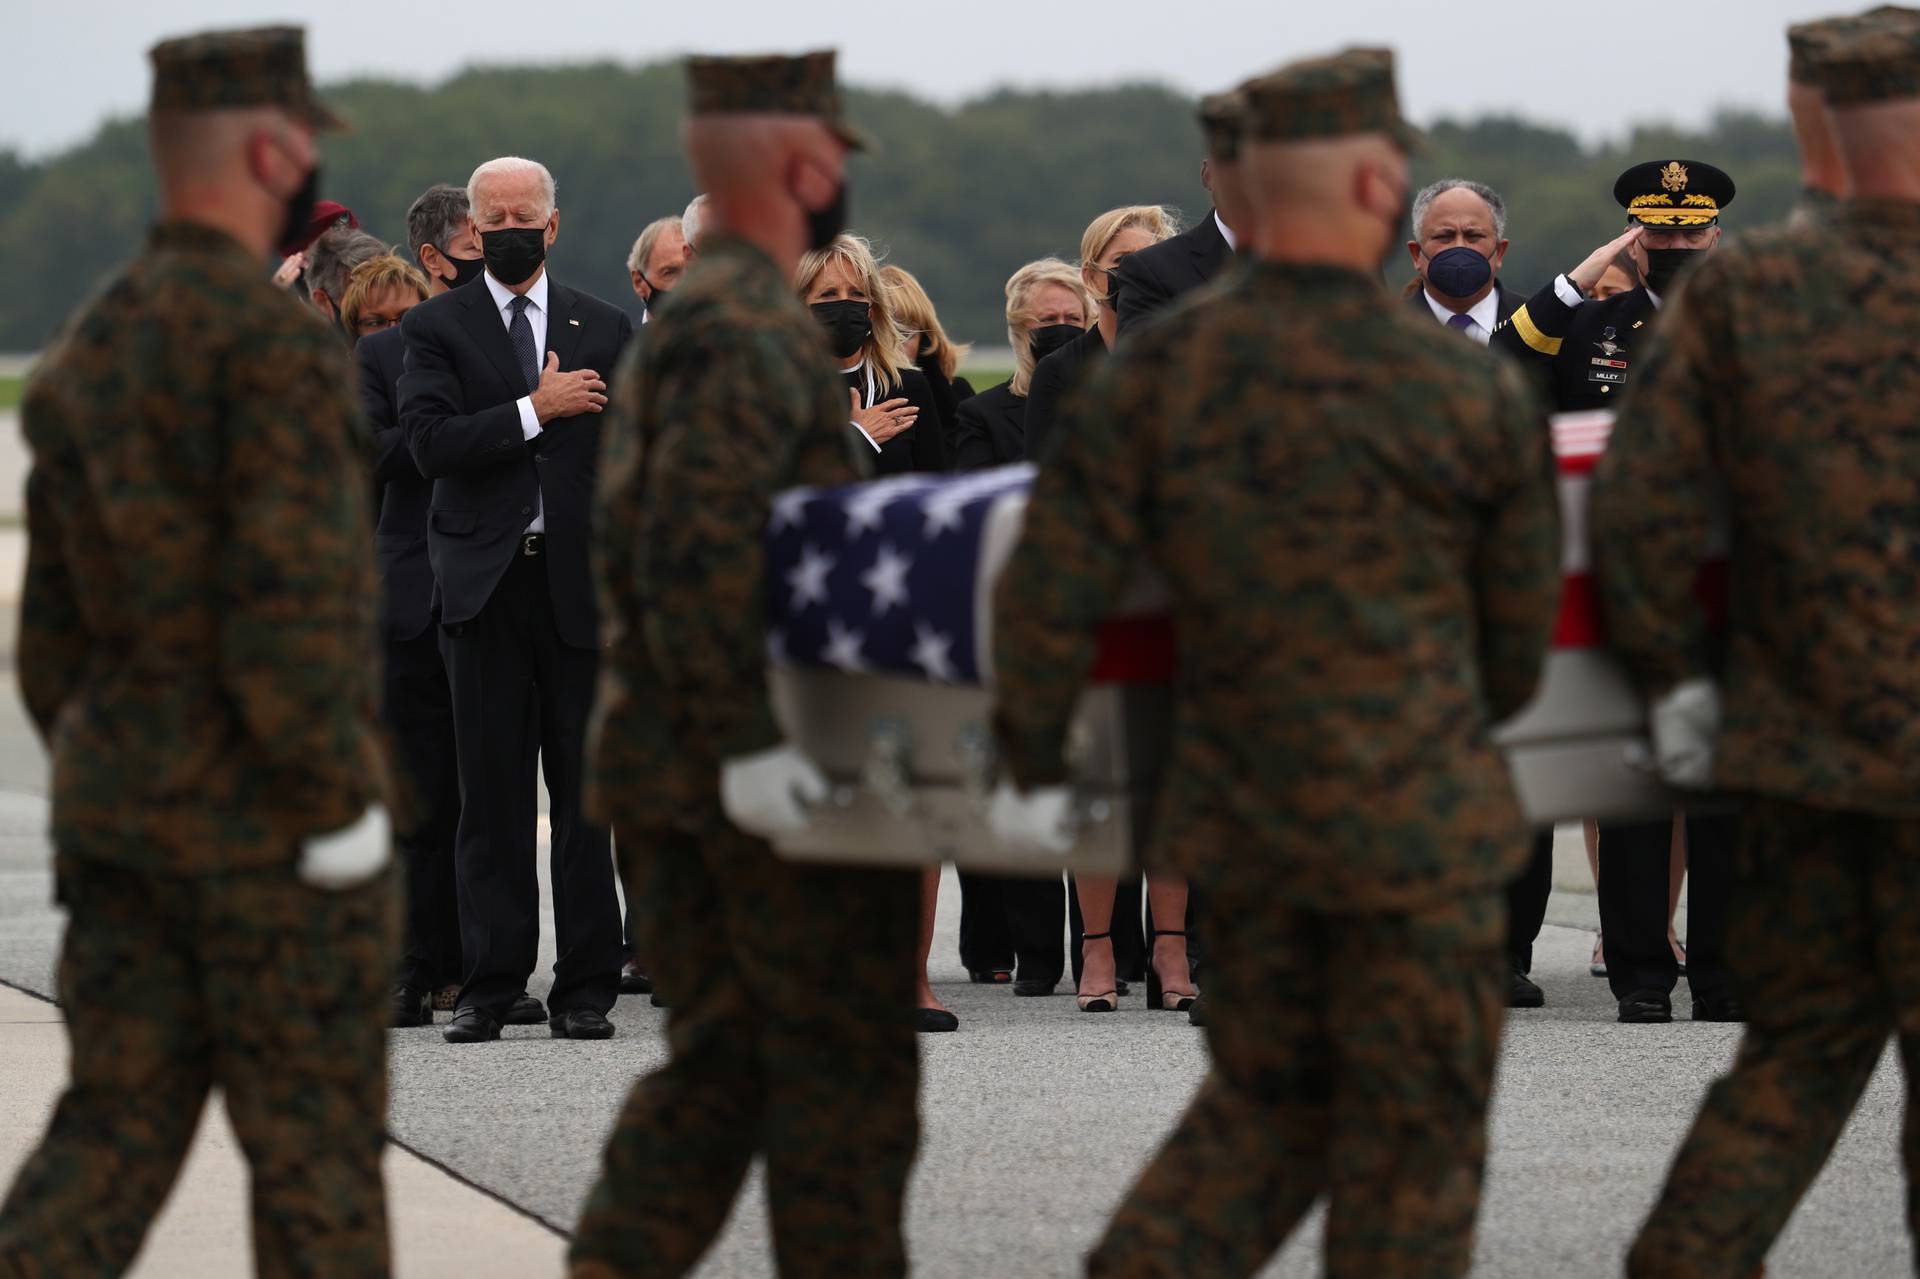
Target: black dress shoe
{"points": [[410, 1007], [989, 976], [1717, 1006], [935, 1021], [1523, 993], [1032, 987], [1197, 1015], [471, 1025], [633, 981], [1646, 1008], [526, 1011], [580, 1023]]}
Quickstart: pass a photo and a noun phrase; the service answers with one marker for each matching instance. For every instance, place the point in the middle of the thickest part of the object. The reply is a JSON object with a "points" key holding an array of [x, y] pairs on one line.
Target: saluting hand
{"points": [[884, 420], [565, 394], [1588, 273]]}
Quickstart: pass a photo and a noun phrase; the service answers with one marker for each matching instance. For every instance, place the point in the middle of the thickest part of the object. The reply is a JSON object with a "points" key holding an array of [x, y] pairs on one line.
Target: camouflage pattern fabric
{"points": [[790, 1034], [1813, 208], [1347, 93], [791, 988], [1363, 559], [246, 980], [198, 647], [1223, 118], [1353, 1057], [1363, 564], [772, 85], [198, 641], [1804, 414], [712, 415], [1846, 889], [263, 67], [1875, 58]]}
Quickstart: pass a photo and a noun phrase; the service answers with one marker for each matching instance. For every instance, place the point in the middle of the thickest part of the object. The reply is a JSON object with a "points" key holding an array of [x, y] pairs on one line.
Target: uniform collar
{"points": [[1881, 215], [194, 237]]}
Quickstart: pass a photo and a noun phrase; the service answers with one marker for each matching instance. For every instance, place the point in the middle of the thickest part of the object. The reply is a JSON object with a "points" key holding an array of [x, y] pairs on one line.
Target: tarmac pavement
{"points": [[1035, 1119]]}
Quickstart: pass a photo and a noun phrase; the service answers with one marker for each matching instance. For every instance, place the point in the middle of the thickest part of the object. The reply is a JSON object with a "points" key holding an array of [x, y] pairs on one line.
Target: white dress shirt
{"points": [[1226, 232], [537, 319], [869, 400], [1485, 314], [1564, 290]]}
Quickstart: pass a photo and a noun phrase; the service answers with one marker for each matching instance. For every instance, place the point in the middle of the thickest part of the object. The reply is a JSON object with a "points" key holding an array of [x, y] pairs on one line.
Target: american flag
{"points": [[892, 577]]}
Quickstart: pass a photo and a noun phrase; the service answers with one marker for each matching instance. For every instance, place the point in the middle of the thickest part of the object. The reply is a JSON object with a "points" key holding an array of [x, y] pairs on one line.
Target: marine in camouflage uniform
{"points": [[198, 648], [1362, 556], [790, 987], [1804, 413]]}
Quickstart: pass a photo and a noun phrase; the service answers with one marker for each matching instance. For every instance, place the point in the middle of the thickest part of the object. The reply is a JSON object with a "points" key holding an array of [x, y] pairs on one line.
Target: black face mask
{"points": [[300, 207], [825, 225], [1665, 265], [1047, 339], [848, 324], [514, 253], [465, 270], [655, 294]]}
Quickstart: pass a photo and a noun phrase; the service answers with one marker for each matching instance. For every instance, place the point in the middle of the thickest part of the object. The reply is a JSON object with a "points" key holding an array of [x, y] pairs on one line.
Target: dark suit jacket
{"points": [[401, 493], [463, 428], [923, 447], [1579, 355], [1158, 274], [1509, 302], [1053, 378], [992, 429]]}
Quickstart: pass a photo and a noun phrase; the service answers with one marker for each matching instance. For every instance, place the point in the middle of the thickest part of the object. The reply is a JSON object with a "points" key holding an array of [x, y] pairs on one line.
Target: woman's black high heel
{"points": [[1096, 1003], [1169, 1001]]}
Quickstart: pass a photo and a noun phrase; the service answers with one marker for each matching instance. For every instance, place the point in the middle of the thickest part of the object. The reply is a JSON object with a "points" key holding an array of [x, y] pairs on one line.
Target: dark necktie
{"points": [[520, 333], [1462, 322]]}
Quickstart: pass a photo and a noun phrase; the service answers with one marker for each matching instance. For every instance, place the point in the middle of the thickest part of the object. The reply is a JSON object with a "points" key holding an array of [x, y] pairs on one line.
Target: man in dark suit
{"points": [[500, 402], [1146, 281], [418, 706], [1460, 241]]}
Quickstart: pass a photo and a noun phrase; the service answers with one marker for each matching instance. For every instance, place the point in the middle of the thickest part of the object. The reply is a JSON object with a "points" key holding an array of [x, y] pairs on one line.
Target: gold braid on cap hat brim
{"points": [[1660, 210]]}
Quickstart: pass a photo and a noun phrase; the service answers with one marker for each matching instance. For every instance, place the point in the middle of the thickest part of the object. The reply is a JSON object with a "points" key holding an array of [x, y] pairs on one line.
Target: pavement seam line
{"points": [[438, 1165]]}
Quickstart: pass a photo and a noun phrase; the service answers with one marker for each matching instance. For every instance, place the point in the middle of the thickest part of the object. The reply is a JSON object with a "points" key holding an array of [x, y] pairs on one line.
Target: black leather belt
{"points": [[533, 544]]}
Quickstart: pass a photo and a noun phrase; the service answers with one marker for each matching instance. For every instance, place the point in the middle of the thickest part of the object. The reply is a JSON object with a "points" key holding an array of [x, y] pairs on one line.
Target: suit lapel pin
{"points": [[574, 323]]}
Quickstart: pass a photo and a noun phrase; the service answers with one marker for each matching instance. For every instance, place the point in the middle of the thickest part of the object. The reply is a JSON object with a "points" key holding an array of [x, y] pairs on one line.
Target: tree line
{"points": [[959, 196]]}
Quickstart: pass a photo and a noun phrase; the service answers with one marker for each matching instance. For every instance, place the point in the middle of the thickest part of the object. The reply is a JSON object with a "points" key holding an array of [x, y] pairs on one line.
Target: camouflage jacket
{"points": [[197, 635], [1787, 375], [1354, 513], [727, 397]]}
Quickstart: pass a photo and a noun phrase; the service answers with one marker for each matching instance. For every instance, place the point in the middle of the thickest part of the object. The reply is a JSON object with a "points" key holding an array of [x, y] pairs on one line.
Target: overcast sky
{"points": [[1594, 68]]}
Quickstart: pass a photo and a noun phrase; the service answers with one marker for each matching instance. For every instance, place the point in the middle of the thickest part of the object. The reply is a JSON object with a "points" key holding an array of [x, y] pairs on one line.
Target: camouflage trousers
{"points": [[1826, 920], [790, 1032], [273, 991], [1353, 1055]]}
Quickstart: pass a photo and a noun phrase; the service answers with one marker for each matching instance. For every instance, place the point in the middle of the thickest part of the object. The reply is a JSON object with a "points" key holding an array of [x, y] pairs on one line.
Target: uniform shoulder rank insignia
{"points": [[1674, 176]]}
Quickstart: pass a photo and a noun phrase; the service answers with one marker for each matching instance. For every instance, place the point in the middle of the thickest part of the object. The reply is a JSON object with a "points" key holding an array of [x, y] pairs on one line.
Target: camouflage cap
{"points": [[1805, 39], [1875, 59], [218, 70], [775, 84], [1350, 92], [1223, 118]]}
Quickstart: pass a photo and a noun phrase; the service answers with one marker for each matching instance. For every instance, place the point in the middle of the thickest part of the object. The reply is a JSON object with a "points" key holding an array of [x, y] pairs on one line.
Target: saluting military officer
{"points": [[790, 987], [1582, 350], [1804, 413], [198, 648], [1362, 556]]}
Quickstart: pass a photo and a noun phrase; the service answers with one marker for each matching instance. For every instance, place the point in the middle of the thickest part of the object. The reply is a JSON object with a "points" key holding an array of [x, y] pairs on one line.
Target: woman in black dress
{"points": [[1048, 306], [928, 347], [891, 403]]}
